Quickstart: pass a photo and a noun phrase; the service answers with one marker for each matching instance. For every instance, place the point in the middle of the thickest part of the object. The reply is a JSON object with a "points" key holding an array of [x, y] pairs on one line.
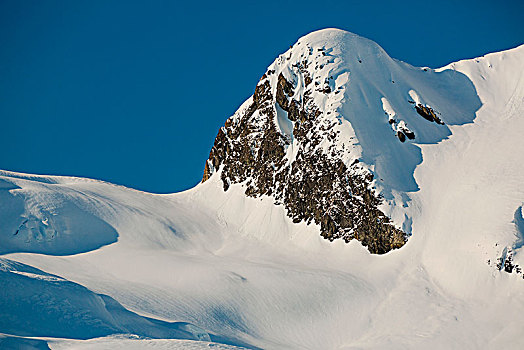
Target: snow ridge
{"points": [[313, 135], [237, 269]]}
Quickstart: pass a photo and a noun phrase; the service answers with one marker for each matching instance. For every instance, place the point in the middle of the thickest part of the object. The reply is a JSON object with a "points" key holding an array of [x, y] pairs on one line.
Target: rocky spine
{"points": [[315, 184]]}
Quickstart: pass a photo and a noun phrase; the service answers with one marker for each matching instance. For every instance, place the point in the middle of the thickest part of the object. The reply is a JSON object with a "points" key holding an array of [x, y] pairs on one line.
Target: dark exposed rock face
{"points": [[505, 263], [410, 134], [428, 113], [314, 186]]}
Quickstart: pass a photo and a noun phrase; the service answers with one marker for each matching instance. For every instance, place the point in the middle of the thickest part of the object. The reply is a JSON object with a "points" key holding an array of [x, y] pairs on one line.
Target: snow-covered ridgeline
{"points": [[241, 271]]}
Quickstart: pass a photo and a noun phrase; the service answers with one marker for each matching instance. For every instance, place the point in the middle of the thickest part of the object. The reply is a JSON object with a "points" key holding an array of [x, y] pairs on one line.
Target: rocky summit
{"points": [[339, 141], [298, 138]]}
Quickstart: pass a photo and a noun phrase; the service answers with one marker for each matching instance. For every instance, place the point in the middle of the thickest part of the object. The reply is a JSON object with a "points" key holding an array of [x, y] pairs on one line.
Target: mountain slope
{"points": [[245, 271], [331, 119]]}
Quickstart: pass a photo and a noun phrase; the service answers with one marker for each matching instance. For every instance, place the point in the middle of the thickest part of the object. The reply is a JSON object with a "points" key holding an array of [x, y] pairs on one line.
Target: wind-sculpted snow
{"points": [[15, 343], [519, 225], [39, 304], [39, 219], [237, 268], [35, 303], [314, 135], [506, 262], [449, 92]]}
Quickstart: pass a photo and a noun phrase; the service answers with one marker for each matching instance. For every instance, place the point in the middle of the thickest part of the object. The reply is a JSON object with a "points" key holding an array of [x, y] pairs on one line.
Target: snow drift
{"points": [[222, 266]]}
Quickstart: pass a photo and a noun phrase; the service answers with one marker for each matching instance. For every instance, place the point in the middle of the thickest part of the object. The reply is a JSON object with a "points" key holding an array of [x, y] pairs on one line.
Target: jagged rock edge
{"points": [[250, 150]]}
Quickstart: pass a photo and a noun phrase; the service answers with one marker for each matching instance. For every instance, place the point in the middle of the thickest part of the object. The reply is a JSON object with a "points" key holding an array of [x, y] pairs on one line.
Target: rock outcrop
{"points": [[313, 183], [428, 113]]}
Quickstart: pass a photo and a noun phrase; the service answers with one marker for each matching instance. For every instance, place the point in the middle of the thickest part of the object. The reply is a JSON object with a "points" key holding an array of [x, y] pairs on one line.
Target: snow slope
{"points": [[208, 265]]}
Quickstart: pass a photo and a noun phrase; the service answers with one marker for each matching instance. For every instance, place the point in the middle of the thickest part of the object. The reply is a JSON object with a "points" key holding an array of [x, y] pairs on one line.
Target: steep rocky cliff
{"points": [[298, 138], [234, 269]]}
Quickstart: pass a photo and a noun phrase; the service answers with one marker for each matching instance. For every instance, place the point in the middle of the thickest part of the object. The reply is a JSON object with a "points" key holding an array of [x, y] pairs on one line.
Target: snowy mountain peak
{"points": [[331, 133], [222, 266], [333, 37]]}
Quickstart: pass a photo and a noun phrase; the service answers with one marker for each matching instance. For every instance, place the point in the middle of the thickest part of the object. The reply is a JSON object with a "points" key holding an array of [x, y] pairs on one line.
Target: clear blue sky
{"points": [[133, 92]]}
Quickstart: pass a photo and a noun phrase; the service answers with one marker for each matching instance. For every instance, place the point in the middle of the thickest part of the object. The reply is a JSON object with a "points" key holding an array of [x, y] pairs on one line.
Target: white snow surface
{"points": [[115, 343], [230, 269]]}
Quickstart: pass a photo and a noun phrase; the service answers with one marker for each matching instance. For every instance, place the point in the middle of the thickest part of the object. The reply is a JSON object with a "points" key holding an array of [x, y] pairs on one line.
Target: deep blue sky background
{"points": [[133, 92]]}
